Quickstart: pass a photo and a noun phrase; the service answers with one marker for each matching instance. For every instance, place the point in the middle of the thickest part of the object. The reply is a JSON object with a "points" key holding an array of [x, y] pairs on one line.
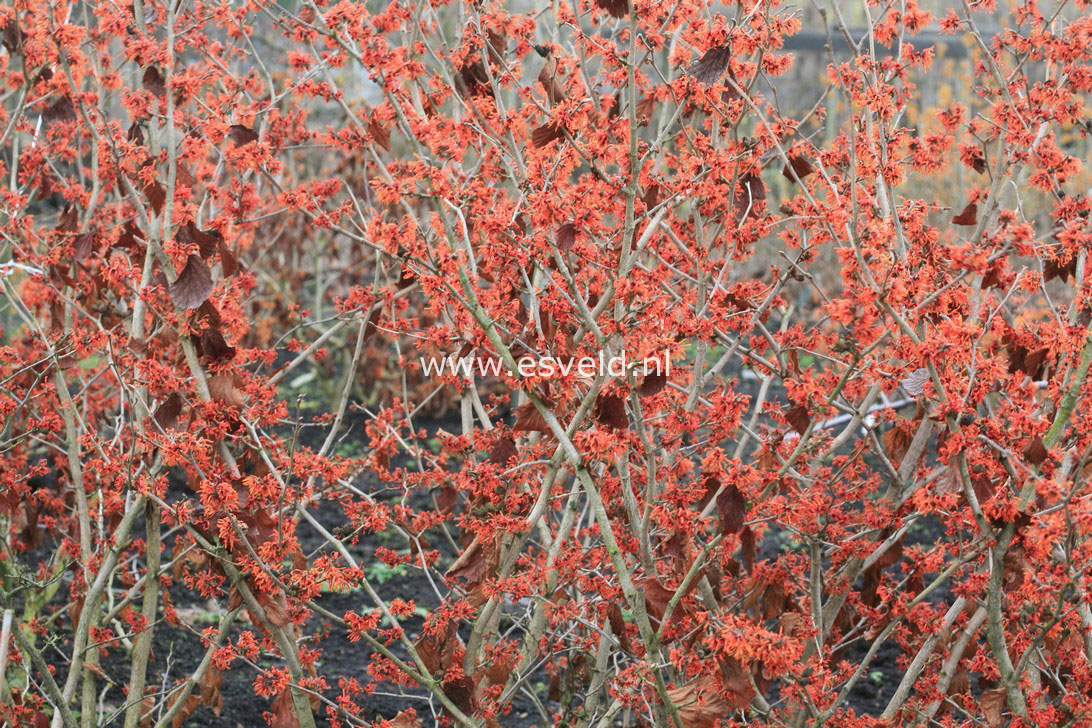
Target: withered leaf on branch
{"points": [[461, 691], [699, 703], [1056, 269], [749, 193], [157, 196], [1035, 451], [993, 704], [969, 216], [193, 286], [896, 443], [748, 547], [437, 651], [475, 564], [224, 388], [652, 384], [228, 263], [610, 410], [61, 110], [978, 161], [798, 164], [284, 711], [547, 133], [732, 509], [1022, 359], [504, 449], [529, 419], [242, 135], [616, 8], [711, 66], [799, 418], [153, 81], [644, 110], [207, 242], [548, 77], [914, 382], [566, 236], [406, 719], [83, 245], [379, 134], [618, 627], [210, 690], [166, 414]]}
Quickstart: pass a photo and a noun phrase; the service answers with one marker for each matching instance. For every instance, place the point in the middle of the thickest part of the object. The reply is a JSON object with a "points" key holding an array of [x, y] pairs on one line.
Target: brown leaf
{"points": [[992, 704], [192, 703], [224, 388], [566, 236], [461, 692], [750, 192], [732, 509], [657, 597], [651, 197], [618, 627], [799, 418], [1035, 451], [1054, 269], [437, 651], [61, 110], [747, 545], [153, 81], [157, 196], [193, 286], [652, 384], [960, 683], [737, 688], [547, 133], [1029, 362], [644, 110], [896, 443], [242, 135], [446, 499], [210, 690], [284, 711], [610, 410], [379, 134], [528, 419], [699, 703], [12, 36], [800, 165], [504, 449], [166, 414], [709, 68], [969, 216], [978, 161], [476, 564], [83, 245], [135, 134], [207, 242], [548, 77], [213, 346], [276, 611], [406, 719], [616, 8]]}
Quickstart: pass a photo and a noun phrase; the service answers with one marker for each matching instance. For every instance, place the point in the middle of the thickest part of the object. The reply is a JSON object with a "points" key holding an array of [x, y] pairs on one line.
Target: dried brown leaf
{"points": [[711, 66], [242, 135], [732, 509], [193, 286], [969, 216]]}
